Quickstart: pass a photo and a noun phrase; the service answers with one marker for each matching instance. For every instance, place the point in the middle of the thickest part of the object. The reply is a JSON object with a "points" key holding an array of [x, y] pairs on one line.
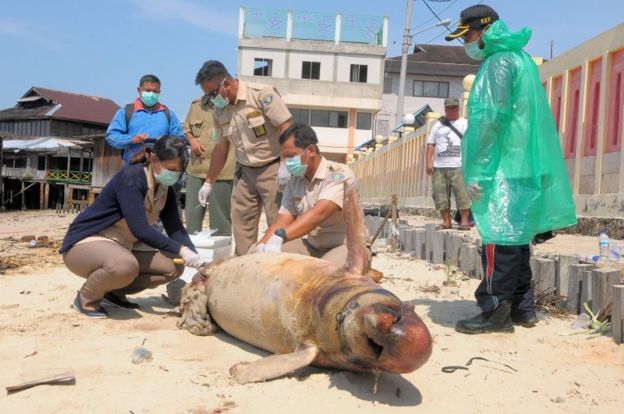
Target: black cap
{"points": [[474, 17]]}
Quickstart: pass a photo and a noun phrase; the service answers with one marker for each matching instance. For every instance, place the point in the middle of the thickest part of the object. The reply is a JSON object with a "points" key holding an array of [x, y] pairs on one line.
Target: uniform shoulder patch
{"points": [[267, 100], [337, 176]]}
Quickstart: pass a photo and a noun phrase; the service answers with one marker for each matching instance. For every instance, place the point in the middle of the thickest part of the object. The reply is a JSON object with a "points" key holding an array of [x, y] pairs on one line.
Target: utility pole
{"points": [[407, 40]]}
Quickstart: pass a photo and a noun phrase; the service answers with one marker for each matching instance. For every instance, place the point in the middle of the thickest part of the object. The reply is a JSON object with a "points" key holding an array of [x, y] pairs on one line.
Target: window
{"points": [[41, 162], [363, 120], [359, 73], [311, 70], [387, 85], [431, 89], [332, 119], [300, 115], [263, 67], [383, 127]]}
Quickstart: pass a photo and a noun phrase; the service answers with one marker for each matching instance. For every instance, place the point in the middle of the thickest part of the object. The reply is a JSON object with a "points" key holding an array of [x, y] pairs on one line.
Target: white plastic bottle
{"points": [[603, 243]]}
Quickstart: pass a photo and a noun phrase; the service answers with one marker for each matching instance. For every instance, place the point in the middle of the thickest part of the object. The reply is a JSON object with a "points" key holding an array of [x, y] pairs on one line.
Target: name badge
{"points": [[256, 122]]}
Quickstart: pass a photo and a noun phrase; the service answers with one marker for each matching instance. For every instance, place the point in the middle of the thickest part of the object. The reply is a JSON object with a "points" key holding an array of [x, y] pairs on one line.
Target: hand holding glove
{"points": [[203, 194], [191, 259], [474, 191], [274, 244]]}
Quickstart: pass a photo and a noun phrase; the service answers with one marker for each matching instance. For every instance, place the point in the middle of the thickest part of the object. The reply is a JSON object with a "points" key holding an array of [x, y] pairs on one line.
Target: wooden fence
{"points": [[396, 168]]}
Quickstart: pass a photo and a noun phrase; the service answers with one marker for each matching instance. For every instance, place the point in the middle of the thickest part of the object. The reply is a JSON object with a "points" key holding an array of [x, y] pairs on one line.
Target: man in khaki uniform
{"points": [[251, 117], [312, 201], [198, 129]]}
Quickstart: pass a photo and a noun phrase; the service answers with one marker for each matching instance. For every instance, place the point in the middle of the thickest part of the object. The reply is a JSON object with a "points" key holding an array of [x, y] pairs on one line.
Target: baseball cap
{"points": [[474, 17], [451, 101]]}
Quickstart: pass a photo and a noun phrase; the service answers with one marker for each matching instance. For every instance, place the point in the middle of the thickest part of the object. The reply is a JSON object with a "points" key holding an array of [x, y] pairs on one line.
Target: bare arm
{"points": [[306, 222], [284, 126], [430, 149], [217, 161], [283, 220]]}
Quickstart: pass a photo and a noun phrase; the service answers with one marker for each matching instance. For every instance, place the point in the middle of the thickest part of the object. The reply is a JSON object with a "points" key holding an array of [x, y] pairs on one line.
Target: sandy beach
{"points": [[532, 370]]}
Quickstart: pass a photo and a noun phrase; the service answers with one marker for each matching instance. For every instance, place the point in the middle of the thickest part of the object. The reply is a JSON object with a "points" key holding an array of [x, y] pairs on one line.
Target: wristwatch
{"points": [[281, 233]]}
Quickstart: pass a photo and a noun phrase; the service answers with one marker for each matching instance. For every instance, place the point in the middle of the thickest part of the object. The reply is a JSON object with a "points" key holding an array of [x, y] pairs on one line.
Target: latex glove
{"points": [[274, 244], [474, 191], [191, 259], [257, 248], [203, 194]]}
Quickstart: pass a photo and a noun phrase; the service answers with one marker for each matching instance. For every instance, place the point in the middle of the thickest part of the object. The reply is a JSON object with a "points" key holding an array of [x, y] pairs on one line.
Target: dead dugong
{"points": [[308, 311]]}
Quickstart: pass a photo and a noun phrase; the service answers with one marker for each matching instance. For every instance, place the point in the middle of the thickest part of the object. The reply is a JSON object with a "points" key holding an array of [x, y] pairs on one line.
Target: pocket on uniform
{"points": [[196, 127], [256, 123]]}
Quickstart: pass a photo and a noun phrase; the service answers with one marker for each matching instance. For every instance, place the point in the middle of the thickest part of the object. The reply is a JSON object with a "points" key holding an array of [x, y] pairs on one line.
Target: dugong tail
{"points": [[358, 257]]}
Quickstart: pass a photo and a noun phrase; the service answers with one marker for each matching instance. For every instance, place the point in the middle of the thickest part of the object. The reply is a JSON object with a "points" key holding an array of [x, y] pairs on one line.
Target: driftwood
{"points": [[65, 378]]}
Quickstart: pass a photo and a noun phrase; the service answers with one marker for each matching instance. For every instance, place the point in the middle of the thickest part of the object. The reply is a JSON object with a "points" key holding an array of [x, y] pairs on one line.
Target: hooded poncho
{"points": [[511, 149]]}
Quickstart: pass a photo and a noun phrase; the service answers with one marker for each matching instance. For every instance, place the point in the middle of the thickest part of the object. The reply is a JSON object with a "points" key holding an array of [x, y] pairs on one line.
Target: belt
{"points": [[264, 165]]}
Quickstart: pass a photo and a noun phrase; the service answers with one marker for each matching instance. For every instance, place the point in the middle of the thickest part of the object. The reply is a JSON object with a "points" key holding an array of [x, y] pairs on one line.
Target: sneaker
{"points": [[99, 313], [527, 319], [498, 320], [122, 303]]}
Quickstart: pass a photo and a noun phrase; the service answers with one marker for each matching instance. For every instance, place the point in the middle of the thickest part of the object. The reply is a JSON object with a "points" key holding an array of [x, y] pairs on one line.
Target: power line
{"points": [[436, 15], [441, 11]]}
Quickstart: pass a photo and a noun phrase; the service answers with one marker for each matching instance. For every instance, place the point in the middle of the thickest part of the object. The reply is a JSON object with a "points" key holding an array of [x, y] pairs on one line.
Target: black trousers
{"points": [[506, 275]]}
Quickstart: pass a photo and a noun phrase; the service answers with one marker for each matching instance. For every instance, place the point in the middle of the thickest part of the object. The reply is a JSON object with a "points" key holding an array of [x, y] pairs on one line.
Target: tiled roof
{"points": [[435, 60]]}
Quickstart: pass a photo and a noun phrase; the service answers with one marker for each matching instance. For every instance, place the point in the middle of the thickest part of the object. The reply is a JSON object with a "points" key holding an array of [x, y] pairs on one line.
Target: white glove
{"points": [[258, 248], [274, 244], [203, 194], [191, 259], [474, 191]]}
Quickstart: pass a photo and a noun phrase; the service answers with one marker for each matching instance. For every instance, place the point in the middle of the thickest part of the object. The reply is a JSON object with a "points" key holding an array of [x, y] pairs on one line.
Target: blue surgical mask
{"points": [[295, 167], [220, 102], [473, 50], [167, 177], [149, 98]]}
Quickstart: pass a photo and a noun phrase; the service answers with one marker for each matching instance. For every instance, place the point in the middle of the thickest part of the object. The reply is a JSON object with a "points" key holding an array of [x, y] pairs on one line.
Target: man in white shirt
{"points": [[444, 164]]}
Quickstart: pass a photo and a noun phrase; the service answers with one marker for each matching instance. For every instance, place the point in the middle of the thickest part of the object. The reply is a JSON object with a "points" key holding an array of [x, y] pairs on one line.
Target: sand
{"points": [[40, 334]]}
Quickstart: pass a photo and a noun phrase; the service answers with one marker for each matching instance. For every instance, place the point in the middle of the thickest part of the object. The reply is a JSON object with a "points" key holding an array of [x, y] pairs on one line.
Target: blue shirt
{"points": [[153, 123], [124, 198]]}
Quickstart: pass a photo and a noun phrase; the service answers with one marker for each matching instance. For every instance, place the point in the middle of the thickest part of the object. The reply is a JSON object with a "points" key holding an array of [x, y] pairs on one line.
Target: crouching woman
{"points": [[113, 244]]}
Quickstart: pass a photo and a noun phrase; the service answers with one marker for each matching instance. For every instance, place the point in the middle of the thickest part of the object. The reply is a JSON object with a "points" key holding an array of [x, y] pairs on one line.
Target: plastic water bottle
{"points": [[141, 354], [603, 243]]}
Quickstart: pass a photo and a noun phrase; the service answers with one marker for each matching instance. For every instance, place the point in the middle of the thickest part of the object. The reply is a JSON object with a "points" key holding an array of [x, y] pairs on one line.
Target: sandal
{"points": [[443, 227], [464, 228], [99, 313], [109, 297]]}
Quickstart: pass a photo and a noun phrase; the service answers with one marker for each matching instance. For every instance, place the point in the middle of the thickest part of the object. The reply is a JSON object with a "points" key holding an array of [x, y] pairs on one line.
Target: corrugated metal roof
{"points": [[67, 105], [43, 144]]}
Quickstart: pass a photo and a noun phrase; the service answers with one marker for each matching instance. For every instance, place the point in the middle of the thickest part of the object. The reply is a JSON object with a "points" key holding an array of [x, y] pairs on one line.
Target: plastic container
{"points": [[140, 355], [603, 244]]}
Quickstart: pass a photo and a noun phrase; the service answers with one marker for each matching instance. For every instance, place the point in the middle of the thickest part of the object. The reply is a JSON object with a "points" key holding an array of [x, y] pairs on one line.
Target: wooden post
{"points": [[573, 304], [617, 316], [41, 195], [438, 247], [543, 274], [430, 229], [420, 242], [467, 253], [393, 238], [562, 275], [23, 196], [602, 280], [478, 262], [586, 288]]}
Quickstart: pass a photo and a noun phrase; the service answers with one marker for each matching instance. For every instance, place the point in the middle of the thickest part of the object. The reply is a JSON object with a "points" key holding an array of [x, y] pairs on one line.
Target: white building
{"points": [[434, 72], [327, 67]]}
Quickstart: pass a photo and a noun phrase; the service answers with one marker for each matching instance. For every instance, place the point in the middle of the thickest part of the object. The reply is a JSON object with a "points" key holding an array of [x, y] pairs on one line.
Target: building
{"points": [[53, 149], [585, 91], [327, 67], [434, 72]]}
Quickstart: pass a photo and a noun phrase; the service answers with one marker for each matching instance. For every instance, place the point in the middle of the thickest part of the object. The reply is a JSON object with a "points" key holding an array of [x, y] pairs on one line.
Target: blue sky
{"points": [[103, 47]]}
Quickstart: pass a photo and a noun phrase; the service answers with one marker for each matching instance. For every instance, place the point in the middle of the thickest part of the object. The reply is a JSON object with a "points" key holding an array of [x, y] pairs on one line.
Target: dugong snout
{"points": [[399, 337]]}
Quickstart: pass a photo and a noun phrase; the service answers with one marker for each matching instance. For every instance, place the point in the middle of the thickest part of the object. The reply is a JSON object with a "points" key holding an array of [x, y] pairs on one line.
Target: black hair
{"points": [[149, 79], [165, 148], [303, 135], [210, 70]]}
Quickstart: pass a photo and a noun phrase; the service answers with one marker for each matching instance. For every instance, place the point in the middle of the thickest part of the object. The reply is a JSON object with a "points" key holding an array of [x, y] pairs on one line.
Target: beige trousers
{"points": [[254, 189], [336, 255], [109, 267]]}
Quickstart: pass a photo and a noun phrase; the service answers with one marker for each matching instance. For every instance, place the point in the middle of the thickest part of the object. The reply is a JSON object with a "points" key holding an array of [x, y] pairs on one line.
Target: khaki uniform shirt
{"points": [[328, 184], [251, 123], [154, 204], [199, 124]]}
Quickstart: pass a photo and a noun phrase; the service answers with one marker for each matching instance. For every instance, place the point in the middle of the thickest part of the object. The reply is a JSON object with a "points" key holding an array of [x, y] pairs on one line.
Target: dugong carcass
{"points": [[307, 311]]}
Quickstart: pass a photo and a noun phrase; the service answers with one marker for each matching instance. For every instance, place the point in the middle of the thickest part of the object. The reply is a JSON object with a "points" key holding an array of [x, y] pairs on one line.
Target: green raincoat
{"points": [[511, 149]]}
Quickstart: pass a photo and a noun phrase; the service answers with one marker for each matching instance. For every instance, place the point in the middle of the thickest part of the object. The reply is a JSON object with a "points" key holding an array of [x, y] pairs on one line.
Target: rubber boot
{"points": [[527, 319], [498, 320]]}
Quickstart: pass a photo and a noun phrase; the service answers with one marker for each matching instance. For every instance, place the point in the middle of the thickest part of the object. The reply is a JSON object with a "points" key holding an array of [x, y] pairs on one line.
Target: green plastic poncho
{"points": [[511, 149]]}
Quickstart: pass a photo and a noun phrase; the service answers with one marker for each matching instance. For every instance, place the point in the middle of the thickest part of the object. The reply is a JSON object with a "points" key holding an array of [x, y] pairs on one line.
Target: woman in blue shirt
{"points": [[113, 244]]}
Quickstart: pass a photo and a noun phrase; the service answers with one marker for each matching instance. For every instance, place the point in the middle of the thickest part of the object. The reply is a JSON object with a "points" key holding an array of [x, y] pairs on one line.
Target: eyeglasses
{"points": [[216, 91]]}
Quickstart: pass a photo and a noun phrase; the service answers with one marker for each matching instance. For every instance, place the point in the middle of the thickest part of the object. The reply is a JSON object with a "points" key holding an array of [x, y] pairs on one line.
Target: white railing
{"points": [[29, 172]]}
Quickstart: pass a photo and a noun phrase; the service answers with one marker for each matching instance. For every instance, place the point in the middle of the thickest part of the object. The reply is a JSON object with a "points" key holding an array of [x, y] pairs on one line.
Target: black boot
{"points": [[498, 320], [528, 319]]}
